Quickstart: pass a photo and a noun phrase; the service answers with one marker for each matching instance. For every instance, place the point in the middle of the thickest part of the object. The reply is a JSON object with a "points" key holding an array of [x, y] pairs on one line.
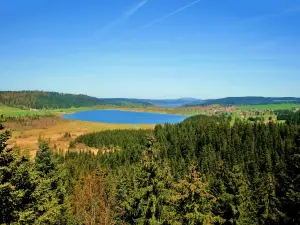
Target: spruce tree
{"points": [[291, 198], [17, 184], [50, 190], [43, 160], [149, 204], [193, 201], [234, 197]]}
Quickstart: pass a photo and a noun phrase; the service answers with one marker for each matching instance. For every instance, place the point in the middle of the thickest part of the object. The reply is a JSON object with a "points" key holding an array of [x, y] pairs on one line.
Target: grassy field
{"points": [[9, 111], [25, 134], [269, 107]]}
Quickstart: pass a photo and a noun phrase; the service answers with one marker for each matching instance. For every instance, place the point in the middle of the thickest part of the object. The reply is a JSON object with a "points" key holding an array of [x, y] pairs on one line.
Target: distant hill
{"points": [[124, 101], [235, 101], [158, 102], [53, 100], [175, 102]]}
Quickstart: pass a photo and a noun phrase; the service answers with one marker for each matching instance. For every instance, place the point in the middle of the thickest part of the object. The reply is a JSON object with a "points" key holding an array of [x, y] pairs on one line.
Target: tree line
{"points": [[291, 117], [55, 100]]}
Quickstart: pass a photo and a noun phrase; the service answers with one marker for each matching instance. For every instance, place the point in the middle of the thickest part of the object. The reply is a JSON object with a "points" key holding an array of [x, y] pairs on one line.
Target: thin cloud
{"points": [[172, 13], [134, 9]]}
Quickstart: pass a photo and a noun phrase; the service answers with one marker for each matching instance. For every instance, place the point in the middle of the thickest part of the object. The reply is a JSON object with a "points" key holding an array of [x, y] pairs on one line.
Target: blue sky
{"points": [[151, 48]]}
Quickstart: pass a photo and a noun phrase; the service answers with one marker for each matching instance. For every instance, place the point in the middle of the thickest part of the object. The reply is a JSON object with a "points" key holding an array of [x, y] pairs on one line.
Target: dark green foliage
{"points": [[122, 138], [43, 159], [50, 191], [253, 119], [234, 202], [131, 143], [17, 184], [148, 202], [192, 200], [291, 184], [204, 170], [289, 116], [30, 193], [251, 168]]}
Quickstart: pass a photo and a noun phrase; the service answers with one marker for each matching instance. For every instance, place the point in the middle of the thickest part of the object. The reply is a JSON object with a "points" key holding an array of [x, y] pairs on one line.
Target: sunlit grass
{"points": [[269, 107]]}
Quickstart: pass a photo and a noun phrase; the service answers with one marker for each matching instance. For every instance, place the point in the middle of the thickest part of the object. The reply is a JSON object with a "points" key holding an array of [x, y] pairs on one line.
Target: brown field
{"points": [[25, 134]]}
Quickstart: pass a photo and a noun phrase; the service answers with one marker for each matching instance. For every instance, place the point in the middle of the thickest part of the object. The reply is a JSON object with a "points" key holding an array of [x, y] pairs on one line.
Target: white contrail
{"points": [[135, 8], [172, 13], [121, 19]]}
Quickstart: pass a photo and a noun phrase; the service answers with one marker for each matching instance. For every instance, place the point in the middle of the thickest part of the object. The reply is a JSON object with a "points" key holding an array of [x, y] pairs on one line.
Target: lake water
{"points": [[124, 117]]}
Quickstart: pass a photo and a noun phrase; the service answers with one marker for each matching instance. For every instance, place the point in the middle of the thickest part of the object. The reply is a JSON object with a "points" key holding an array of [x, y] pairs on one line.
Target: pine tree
{"points": [[291, 198], [17, 183], [234, 197], [50, 191], [43, 160], [149, 205]]}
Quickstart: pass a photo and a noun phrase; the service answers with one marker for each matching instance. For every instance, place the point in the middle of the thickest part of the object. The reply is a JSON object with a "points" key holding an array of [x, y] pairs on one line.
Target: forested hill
{"points": [[231, 101], [158, 102], [204, 170], [53, 100]]}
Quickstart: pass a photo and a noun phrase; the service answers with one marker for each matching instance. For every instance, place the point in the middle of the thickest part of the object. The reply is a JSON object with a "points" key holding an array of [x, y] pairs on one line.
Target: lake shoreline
{"points": [[119, 116]]}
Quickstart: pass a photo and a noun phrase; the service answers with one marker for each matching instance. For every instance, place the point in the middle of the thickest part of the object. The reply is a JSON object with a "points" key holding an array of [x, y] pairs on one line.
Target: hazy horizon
{"points": [[176, 98], [151, 50]]}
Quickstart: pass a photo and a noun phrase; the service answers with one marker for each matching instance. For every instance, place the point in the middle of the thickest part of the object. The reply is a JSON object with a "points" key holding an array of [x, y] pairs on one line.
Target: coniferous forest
{"points": [[205, 170], [55, 100]]}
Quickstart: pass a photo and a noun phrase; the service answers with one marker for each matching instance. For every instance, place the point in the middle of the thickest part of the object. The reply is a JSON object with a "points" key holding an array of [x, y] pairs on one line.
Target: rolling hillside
{"points": [[54, 100]]}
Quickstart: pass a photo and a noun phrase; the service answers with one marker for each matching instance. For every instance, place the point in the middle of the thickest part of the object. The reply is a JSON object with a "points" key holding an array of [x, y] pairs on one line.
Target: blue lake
{"points": [[124, 117]]}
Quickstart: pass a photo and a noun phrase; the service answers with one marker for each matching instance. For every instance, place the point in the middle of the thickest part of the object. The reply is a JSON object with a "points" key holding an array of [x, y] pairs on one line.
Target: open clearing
{"points": [[10, 111]]}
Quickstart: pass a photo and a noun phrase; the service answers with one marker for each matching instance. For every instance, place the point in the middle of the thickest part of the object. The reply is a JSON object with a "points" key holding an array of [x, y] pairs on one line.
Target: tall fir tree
{"points": [[149, 204], [17, 184], [50, 191], [193, 201]]}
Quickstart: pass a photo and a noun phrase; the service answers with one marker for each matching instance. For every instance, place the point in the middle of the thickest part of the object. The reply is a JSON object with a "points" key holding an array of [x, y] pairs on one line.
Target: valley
{"points": [[28, 125]]}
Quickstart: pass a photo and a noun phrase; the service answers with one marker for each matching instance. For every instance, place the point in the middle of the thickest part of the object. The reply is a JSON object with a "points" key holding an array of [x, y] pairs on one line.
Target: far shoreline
{"points": [[124, 116]]}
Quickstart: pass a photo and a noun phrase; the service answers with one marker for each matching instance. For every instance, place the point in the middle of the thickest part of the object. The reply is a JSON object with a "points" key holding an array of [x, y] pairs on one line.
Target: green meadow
{"points": [[10, 111], [269, 107]]}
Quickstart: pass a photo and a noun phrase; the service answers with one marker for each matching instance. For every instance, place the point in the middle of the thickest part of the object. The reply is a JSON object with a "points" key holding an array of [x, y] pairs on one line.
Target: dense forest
{"points": [[54, 100], [289, 116], [235, 101], [205, 170]]}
